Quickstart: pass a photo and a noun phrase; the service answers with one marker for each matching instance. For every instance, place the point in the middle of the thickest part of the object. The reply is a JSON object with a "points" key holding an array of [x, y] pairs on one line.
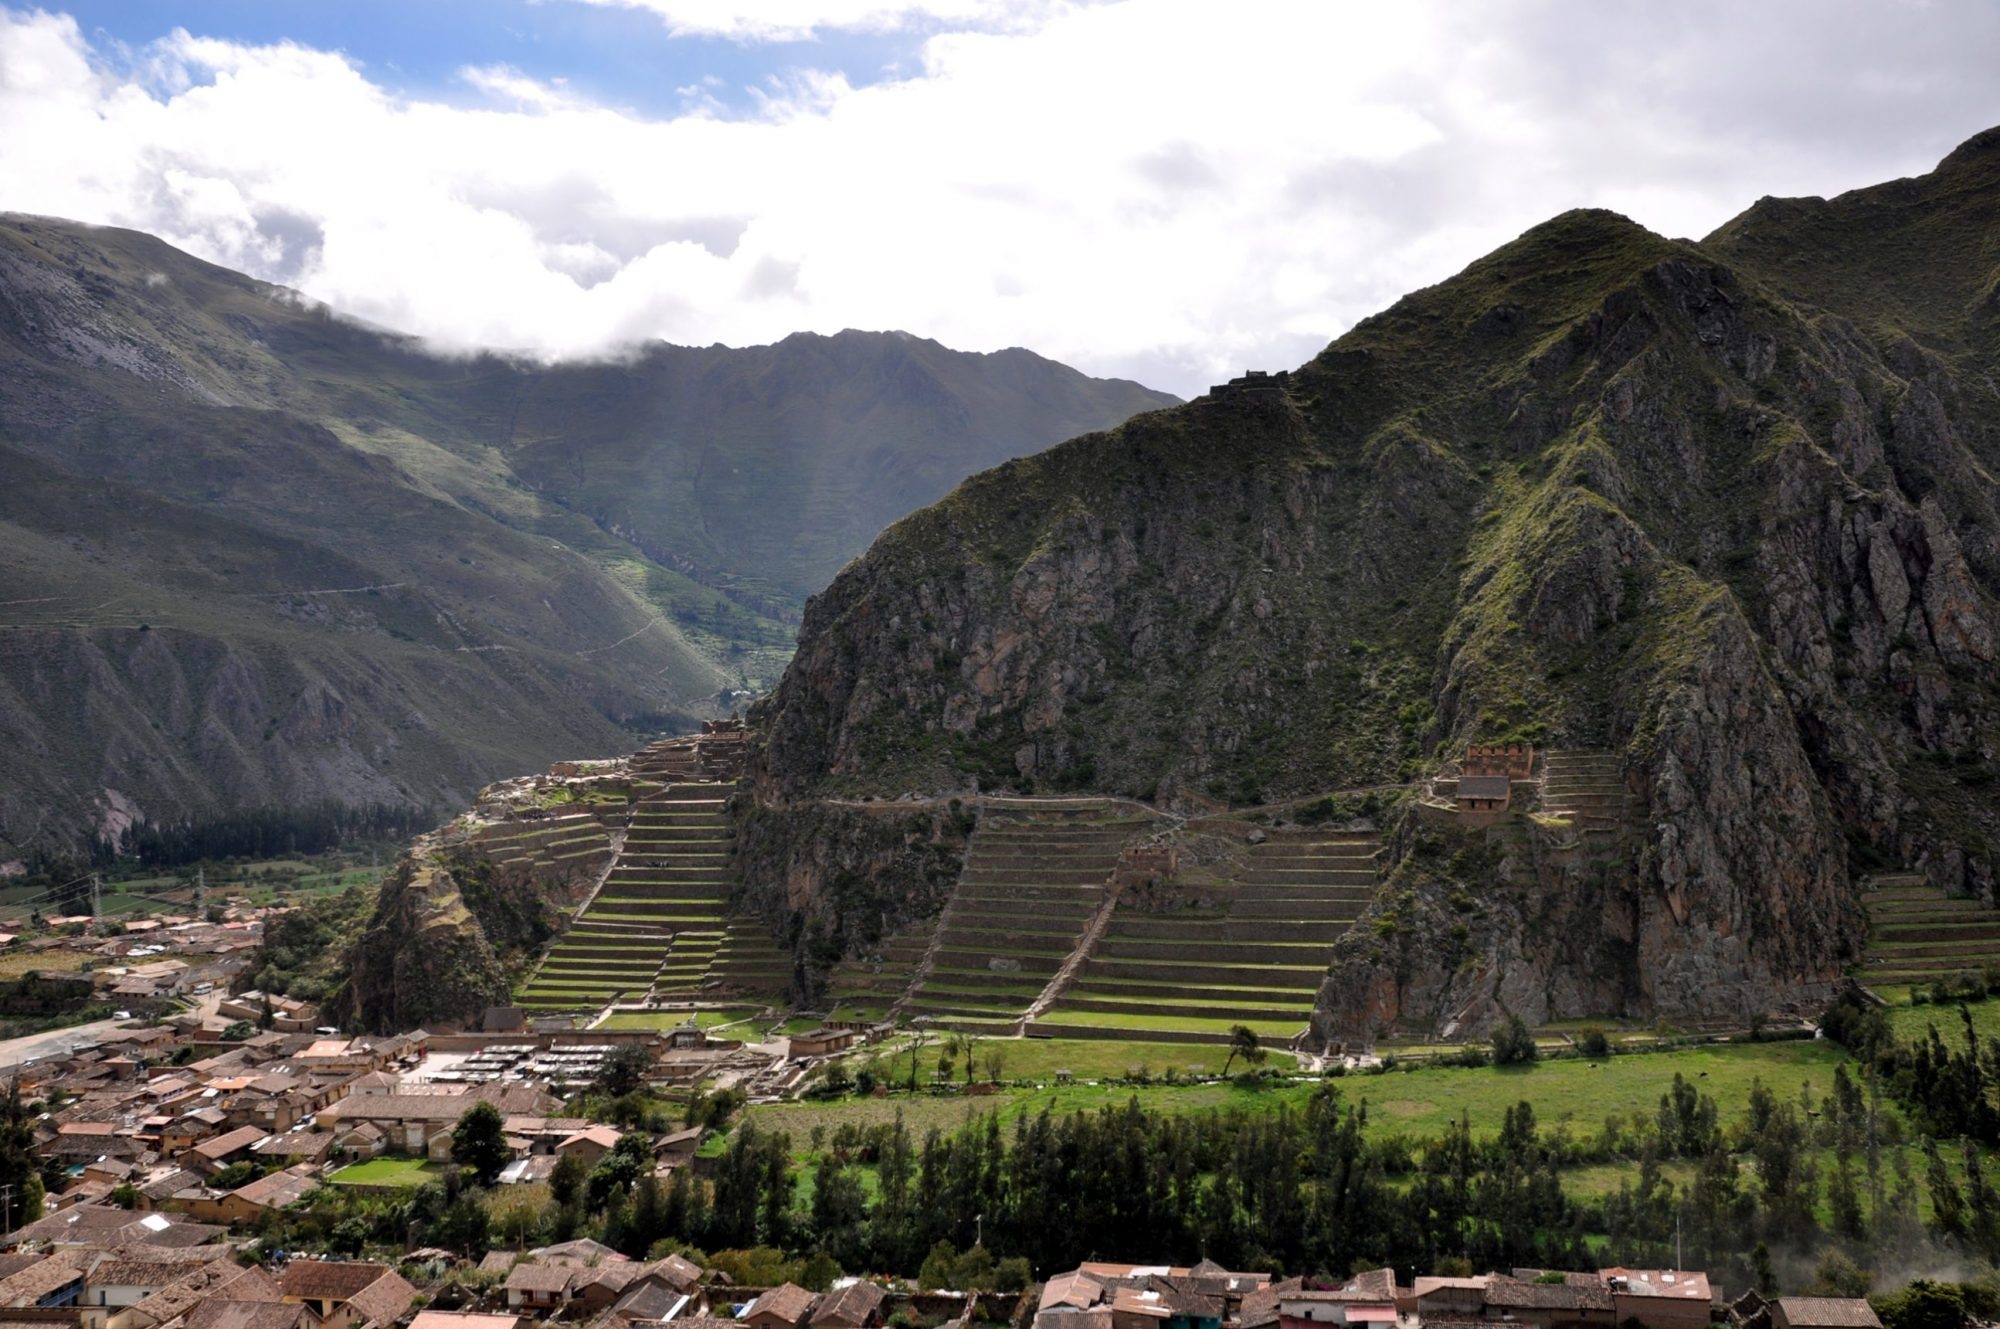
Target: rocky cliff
{"points": [[1725, 509]]}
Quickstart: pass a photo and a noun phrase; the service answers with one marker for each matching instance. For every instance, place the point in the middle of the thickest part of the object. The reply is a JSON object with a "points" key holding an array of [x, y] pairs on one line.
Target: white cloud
{"points": [[1135, 188], [795, 20]]}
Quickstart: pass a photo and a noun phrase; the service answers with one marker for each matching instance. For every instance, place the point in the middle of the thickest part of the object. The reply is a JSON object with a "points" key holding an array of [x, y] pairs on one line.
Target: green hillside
{"points": [[290, 558]]}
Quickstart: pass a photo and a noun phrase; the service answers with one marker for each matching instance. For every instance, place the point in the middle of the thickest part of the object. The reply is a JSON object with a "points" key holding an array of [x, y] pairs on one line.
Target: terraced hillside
{"points": [[658, 925], [865, 987], [1034, 877], [1253, 956], [1918, 934], [1587, 787], [575, 838]]}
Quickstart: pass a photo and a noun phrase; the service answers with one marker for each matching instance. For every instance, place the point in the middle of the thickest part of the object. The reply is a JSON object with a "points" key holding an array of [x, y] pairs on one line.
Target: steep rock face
{"points": [[838, 879], [1724, 513]]}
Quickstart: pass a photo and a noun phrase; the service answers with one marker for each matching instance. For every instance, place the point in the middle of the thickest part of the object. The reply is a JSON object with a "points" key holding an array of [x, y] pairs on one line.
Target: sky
{"points": [[1172, 192]]}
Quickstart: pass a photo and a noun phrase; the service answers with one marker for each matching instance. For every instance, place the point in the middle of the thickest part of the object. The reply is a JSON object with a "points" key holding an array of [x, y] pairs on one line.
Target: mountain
{"points": [[257, 555], [1721, 513]]}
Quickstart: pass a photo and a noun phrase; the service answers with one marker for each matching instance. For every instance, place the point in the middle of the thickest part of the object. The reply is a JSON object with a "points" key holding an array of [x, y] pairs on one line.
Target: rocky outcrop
{"points": [[835, 879], [464, 913], [1725, 509]]}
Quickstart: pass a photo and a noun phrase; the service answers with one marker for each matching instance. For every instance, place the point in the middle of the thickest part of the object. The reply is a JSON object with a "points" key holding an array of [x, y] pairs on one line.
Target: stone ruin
{"points": [[1142, 869], [1515, 761], [718, 753]]}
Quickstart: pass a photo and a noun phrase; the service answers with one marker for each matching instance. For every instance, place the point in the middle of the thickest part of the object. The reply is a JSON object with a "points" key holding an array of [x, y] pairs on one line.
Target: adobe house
{"points": [[1579, 1301], [856, 1306], [590, 1144], [1482, 799], [535, 1288], [1660, 1298], [1823, 1313], [821, 1041], [783, 1307], [117, 1282], [344, 1293]]}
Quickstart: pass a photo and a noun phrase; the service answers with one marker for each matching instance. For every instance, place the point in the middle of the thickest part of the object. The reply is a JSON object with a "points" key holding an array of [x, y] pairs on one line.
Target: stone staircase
{"points": [[1917, 934], [1033, 876]]}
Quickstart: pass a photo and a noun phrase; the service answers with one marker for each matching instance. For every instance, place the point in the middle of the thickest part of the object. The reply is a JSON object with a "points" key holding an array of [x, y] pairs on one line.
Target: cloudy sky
{"points": [[1168, 191]]}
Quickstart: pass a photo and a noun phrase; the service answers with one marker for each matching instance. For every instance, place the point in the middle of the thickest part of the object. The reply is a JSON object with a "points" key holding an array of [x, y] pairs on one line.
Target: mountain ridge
{"points": [[1723, 508], [230, 499]]}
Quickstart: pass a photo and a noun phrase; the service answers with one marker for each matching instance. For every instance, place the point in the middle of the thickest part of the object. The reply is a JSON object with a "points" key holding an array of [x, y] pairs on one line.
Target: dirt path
{"points": [[53, 1043]]}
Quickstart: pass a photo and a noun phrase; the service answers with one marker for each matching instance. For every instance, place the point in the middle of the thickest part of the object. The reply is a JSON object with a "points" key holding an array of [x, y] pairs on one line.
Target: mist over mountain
{"points": [[255, 554]]}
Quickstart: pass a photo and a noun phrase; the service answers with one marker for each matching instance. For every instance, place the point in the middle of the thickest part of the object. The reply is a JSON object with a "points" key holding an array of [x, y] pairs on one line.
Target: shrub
{"points": [[1594, 1043], [1514, 1043]]}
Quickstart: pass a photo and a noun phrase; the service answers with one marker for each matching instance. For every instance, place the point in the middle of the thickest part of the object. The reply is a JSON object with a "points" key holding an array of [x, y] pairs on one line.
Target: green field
{"points": [[675, 1019], [388, 1172], [1913, 1022], [1093, 1059], [1415, 1102], [1423, 1102]]}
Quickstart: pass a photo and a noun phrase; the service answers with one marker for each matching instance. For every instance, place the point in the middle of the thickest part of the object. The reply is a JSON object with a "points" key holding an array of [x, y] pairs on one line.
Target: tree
{"points": [[1924, 1304], [819, 1271], [940, 1268], [625, 1070], [1839, 1276], [479, 1142], [566, 1181], [1243, 1043], [618, 1171], [20, 1170], [1514, 1043]]}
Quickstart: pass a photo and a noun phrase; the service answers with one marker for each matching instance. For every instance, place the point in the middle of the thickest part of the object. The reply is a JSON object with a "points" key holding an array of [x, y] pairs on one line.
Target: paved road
{"points": [[53, 1043]]}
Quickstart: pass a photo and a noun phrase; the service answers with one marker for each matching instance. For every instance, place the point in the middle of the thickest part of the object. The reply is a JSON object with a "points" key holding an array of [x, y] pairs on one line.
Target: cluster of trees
{"points": [[1950, 1086], [1296, 1190], [269, 832]]}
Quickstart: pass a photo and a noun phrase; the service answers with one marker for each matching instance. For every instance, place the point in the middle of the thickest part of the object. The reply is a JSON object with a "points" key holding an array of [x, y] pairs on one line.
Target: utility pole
{"points": [[200, 889], [6, 1206], [96, 903]]}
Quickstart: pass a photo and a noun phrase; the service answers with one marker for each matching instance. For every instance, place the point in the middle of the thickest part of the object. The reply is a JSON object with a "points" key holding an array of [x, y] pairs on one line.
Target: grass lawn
{"points": [[388, 1172], [1914, 1022], [1196, 1024], [1095, 1059], [675, 1019], [1418, 1103], [1423, 1102]]}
